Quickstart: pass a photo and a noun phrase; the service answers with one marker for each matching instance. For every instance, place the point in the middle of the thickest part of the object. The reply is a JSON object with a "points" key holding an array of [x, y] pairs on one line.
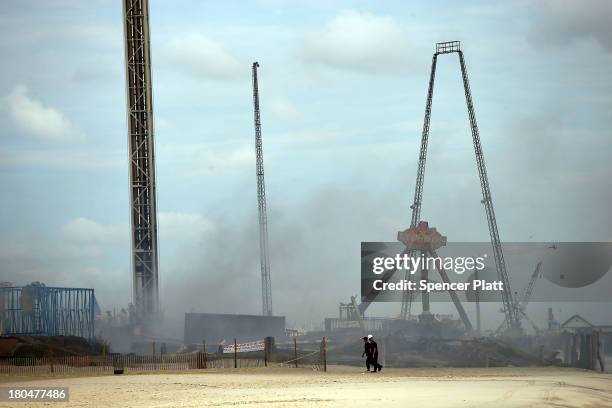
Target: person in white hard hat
{"points": [[374, 354]]}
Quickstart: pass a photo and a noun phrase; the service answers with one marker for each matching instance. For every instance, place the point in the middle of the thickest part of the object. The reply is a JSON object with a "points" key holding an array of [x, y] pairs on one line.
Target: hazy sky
{"points": [[343, 87]]}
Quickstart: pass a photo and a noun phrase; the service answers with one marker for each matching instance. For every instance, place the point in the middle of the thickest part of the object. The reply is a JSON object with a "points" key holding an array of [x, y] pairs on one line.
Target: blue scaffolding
{"points": [[38, 310]]}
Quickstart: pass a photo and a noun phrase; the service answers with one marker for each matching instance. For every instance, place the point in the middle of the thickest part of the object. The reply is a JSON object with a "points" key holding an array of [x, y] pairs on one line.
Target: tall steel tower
{"points": [[266, 289], [510, 309], [141, 157]]}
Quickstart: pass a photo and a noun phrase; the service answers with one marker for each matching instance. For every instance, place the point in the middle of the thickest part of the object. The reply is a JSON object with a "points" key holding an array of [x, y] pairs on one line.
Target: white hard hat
{"points": [[370, 336]]}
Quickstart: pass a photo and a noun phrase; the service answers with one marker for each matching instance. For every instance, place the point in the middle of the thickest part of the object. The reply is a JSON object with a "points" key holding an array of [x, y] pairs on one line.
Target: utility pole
{"points": [[143, 211], [266, 289]]}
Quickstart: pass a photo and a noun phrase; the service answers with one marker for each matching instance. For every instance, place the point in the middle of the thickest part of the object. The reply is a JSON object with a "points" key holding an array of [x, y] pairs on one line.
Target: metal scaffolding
{"points": [[141, 156], [47, 311]]}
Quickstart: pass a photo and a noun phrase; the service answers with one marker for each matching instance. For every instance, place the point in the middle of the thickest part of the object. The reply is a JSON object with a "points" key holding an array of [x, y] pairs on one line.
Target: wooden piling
{"points": [[235, 354], [325, 354], [295, 356], [204, 350]]}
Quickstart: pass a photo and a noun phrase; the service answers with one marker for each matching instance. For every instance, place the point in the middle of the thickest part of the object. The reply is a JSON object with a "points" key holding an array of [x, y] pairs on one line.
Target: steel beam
{"points": [[510, 310]]}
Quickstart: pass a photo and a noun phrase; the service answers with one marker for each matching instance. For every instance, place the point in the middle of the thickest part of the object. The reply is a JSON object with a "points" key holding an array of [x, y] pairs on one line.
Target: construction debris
{"points": [[437, 352], [49, 346]]}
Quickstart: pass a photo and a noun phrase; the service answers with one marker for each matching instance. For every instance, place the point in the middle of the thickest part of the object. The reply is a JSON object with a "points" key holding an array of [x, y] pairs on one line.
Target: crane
{"points": [[522, 306], [266, 287], [529, 291]]}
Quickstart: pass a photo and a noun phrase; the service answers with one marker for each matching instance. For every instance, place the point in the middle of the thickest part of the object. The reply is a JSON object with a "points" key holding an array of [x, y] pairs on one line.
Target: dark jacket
{"points": [[374, 347]]}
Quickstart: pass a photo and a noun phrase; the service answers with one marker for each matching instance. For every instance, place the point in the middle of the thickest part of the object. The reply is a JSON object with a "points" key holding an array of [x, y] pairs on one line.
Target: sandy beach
{"points": [[339, 387]]}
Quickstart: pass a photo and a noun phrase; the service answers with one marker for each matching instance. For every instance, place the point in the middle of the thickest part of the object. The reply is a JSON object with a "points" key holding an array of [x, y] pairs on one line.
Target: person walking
{"points": [[374, 353], [367, 352]]}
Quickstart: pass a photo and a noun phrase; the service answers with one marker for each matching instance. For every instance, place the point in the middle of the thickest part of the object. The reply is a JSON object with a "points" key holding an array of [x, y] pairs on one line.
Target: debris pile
{"points": [[432, 352], [401, 351], [47, 346]]}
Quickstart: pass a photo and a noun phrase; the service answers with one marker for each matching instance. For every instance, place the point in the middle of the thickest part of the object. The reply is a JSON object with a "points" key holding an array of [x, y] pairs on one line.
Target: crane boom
{"points": [[529, 291], [266, 289], [522, 306]]}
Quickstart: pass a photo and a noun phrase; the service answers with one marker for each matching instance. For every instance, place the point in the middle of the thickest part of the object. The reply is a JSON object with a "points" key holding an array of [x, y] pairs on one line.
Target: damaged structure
{"points": [[39, 310]]}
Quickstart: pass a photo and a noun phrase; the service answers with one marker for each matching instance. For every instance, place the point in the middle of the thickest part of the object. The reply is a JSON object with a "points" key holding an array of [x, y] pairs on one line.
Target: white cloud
{"points": [[183, 227], [84, 238], [197, 159], [220, 160], [38, 120], [201, 57], [361, 42], [9, 249], [172, 225], [561, 23], [86, 231], [61, 158]]}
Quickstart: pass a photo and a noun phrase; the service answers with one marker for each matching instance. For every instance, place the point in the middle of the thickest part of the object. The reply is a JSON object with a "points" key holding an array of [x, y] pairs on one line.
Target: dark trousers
{"points": [[369, 362], [374, 361]]}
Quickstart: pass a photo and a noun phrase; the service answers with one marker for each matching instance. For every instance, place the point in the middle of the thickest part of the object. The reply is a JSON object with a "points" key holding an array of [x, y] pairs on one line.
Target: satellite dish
{"points": [[577, 264]]}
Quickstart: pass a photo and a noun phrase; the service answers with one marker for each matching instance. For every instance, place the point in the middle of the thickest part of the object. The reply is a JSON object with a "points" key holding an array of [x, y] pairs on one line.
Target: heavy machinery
{"points": [[522, 306], [529, 291]]}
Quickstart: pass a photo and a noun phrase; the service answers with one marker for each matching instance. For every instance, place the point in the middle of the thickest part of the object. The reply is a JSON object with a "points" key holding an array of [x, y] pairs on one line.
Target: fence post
{"points": [[601, 352], [204, 347], [235, 353], [295, 351], [325, 354], [594, 350], [269, 346], [265, 352]]}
